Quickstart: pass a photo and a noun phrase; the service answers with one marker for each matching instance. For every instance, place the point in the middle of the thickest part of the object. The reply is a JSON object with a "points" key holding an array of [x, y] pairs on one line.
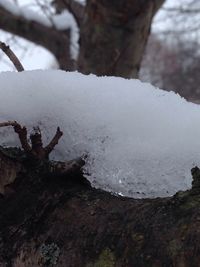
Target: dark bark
{"points": [[9, 167], [62, 220], [114, 34]]}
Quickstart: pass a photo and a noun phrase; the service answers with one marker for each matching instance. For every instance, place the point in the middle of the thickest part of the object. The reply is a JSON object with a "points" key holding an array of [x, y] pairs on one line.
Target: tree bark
{"points": [[114, 35], [61, 220]]}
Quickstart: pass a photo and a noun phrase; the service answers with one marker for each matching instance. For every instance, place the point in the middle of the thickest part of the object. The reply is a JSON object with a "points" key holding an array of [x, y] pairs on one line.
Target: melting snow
{"points": [[141, 141]]}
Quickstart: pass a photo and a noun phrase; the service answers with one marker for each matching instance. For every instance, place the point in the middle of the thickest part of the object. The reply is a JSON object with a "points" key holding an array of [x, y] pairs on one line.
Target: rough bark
{"points": [[114, 34], [9, 167], [61, 220]]}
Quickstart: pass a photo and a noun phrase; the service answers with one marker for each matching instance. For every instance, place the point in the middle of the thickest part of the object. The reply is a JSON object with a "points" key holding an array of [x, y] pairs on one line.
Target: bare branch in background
{"points": [[182, 10], [57, 42], [10, 54], [46, 11], [75, 8]]}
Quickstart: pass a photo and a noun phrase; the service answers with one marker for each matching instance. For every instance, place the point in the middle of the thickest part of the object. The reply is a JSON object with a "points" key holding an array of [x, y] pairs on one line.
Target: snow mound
{"points": [[141, 141]]}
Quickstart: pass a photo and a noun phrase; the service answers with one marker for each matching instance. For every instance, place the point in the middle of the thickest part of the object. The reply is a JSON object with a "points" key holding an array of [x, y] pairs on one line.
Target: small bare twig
{"points": [[8, 123], [182, 10], [35, 151], [36, 148], [54, 141], [10, 54], [22, 133]]}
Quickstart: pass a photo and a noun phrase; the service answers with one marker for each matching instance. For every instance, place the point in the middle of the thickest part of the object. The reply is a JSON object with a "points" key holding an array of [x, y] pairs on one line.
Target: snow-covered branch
{"points": [[74, 7], [39, 29]]}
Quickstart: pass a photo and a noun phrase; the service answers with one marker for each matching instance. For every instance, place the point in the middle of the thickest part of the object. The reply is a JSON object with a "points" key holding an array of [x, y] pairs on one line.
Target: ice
{"points": [[141, 141]]}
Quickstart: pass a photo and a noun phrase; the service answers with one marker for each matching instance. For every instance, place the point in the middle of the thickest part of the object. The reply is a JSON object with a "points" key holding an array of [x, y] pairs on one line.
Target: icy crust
{"points": [[141, 141]]}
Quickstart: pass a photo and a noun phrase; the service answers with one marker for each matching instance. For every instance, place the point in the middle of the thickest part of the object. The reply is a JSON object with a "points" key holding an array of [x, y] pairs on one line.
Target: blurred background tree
{"points": [[109, 38], [112, 34], [172, 57]]}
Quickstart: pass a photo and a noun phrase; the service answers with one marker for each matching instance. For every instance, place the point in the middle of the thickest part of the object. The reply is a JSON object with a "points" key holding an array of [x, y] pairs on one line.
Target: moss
{"points": [[190, 202], [174, 247], [98, 29], [182, 194], [105, 259], [138, 239], [188, 199]]}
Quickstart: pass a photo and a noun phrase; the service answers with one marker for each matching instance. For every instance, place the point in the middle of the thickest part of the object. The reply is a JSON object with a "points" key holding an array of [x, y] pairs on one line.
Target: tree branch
{"points": [[158, 4], [22, 133], [73, 6], [13, 58], [57, 42], [53, 142], [66, 167], [182, 10], [8, 123]]}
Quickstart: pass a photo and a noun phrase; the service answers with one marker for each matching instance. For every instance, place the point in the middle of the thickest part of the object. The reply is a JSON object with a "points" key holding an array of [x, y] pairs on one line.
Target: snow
{"points": [[141, 141], [61, 22]]}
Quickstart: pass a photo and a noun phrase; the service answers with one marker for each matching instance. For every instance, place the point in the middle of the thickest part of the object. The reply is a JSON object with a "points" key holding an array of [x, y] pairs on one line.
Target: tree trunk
{"points": [[61, 220], [114, 34]]}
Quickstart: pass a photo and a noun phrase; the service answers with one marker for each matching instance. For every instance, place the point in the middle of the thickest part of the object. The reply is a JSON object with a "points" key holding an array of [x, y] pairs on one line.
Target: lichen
{"points": [[105, 259], [49, 253]]}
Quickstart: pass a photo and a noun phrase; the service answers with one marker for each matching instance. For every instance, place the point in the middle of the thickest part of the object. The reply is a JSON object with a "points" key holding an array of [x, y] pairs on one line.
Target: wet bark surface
{"points": [[49, 220]]}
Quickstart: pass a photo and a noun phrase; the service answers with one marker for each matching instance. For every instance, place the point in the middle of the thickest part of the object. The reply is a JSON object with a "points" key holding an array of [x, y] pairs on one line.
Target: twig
{"points": [[13, 58], [8, 123], [36, 148], [22, 133], [54, 141]]}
